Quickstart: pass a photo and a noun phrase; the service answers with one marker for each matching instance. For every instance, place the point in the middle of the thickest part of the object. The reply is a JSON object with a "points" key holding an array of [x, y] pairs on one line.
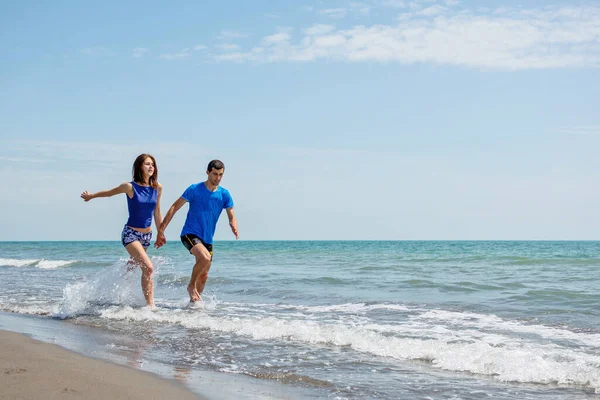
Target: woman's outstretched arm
{"points": [[124, 187]]}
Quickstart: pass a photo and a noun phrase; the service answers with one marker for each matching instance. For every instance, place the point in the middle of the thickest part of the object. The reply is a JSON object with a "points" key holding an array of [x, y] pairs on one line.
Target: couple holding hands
{"points": [[207, 200]]}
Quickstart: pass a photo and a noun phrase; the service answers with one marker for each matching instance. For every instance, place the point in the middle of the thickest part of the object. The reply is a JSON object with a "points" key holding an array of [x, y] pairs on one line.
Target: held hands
{"points": [[86, 196], [160, 240]]}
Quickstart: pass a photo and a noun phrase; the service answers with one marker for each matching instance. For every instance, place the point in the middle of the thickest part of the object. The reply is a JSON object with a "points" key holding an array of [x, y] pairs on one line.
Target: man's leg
{"points": [[201, 268], [202, 278]]}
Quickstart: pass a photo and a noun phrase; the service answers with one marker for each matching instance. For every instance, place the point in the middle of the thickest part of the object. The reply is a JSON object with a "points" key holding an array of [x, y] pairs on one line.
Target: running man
{"points": [[207, 201]]}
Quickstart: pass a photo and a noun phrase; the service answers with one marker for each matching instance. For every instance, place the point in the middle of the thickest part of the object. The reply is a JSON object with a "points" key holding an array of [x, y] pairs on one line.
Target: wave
{"points": [[28, 309], [492, 323], [346, 308], [521, 261], [37, 263], [508, 351], [492, 259], [505, 350]]}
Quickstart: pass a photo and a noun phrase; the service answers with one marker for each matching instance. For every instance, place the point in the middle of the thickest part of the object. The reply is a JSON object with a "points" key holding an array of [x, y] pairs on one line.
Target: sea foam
{"points": [[40, 263], [504, 356]]}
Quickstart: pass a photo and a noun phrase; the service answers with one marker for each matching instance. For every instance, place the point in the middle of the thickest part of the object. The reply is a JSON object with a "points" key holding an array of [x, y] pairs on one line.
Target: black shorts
{"points": [[190, 240]]}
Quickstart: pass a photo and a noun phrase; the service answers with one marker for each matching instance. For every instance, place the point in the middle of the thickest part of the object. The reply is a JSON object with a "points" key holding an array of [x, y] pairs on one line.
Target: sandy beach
{"points": [[30, 369]]}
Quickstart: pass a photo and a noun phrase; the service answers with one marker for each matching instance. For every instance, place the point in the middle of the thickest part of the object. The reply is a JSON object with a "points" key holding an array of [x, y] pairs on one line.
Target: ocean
{"points": [[327, 319]]}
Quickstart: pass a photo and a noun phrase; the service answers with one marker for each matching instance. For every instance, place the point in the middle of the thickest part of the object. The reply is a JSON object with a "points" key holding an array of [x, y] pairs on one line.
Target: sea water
{"points": [[337, 319]]}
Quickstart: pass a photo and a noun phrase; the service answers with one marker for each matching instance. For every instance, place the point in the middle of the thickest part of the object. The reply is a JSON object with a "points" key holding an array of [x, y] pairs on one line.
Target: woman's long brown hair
{"points": [[138, 175]]}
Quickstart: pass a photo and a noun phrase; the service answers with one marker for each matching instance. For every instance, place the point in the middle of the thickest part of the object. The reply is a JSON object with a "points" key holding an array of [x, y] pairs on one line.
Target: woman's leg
{"points": [[138, 255]]}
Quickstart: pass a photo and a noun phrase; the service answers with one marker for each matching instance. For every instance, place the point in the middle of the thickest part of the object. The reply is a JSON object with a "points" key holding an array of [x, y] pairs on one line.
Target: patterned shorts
{"points": [[130, 235]]}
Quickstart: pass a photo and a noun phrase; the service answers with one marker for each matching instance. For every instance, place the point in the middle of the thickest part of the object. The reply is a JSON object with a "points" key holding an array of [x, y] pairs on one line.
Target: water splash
{"points": [[118, 284]]}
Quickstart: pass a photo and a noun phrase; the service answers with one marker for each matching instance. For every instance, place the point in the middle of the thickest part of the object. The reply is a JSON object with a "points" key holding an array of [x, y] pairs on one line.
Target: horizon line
{"points": [[332, 240]]}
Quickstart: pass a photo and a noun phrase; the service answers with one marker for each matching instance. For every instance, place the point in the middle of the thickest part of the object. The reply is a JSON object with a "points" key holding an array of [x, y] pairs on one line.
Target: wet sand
{"points": [[30, 369]]}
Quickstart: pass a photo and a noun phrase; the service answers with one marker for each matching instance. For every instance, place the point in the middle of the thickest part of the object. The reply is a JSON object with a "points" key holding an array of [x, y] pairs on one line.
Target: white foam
{"points": [[505, 358], [11, 262], [492, 322], [353, 308], [23, 308], [41, 263], [350, 308], [53, 264]]}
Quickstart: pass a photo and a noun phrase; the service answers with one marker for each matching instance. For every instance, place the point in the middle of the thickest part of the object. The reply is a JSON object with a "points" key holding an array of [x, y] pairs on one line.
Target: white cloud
{"points": [[228, 47], [511, 39], [354, 8], [360, 8], [277, 38], [393, 3], [319, 29], [238, 57], [415, 6], [200, 47], [139, 52], [433, 10], [231, 35], [181, 55], [330, 41], [23, 160], [335, 13]]}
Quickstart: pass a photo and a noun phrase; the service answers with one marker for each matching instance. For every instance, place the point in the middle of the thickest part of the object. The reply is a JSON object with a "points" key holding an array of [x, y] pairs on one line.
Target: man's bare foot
{"points": [[194, 296]]}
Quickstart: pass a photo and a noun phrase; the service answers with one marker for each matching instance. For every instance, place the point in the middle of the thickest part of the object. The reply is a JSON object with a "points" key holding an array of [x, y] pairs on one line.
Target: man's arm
{"points": [[160, 237], [233, 222]]}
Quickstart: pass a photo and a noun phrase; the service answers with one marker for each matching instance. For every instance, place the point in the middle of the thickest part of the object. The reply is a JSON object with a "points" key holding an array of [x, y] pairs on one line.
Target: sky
{"points": [[336, 120]]}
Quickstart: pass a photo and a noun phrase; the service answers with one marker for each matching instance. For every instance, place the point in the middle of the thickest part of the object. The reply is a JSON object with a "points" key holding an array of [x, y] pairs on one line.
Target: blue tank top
{"points": [[141, 206]]}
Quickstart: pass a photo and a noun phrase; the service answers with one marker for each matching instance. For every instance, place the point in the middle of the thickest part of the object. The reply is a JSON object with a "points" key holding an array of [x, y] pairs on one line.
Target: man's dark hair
{"points": [[216, 164]]}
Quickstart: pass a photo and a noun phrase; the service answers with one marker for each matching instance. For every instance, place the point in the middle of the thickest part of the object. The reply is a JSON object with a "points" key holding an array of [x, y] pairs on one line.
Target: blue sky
{"points": [[374, 119]]}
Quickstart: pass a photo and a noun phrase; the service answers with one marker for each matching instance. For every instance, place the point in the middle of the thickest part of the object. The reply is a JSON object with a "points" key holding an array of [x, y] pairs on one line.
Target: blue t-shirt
{"points": [[205, 209]]}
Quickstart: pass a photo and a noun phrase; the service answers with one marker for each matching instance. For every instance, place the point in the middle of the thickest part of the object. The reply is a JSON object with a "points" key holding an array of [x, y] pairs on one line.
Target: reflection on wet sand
{"points": [[181, 373], [134, 356]]}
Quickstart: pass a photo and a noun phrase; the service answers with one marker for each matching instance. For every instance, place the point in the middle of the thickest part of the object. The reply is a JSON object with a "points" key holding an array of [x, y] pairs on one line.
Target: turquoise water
{"points": [[351, 319]]}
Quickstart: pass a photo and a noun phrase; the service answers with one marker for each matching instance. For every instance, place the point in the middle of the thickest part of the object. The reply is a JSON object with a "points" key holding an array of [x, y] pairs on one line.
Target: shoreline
{"points": [[34, 369], [96, 344]]}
